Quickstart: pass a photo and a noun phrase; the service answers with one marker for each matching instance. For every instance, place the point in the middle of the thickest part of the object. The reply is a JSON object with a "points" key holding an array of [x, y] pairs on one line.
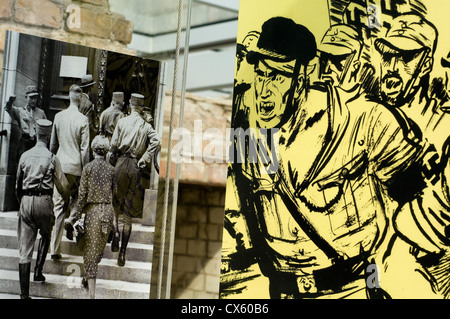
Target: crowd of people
{"points": [[79, 174]]}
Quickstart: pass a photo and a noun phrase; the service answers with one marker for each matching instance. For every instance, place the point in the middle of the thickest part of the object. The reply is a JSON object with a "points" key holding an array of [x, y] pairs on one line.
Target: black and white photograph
{"points": [[79, 166]]}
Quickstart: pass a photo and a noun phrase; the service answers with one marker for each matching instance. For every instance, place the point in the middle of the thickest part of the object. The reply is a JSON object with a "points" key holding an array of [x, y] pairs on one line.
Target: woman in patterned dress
{"points": [[97, 188]]}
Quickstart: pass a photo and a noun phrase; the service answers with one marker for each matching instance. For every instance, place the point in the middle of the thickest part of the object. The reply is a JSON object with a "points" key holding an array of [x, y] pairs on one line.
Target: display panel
{"points": [[337, 182], [106, 82]]}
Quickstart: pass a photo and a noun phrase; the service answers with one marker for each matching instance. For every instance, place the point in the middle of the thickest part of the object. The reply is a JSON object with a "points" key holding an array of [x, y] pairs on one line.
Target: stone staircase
{"points": [[63, 278]]}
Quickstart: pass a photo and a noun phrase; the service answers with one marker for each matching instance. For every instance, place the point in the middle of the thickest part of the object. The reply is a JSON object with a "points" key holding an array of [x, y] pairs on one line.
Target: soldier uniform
{"points": [[134, 143], [39, 170], [110, 116], [26, 118]]}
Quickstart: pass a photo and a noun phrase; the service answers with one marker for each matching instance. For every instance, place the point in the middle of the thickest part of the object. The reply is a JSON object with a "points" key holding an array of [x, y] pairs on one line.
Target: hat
{"points": [[43, 127], [340, 39], [117, 96], [283, 40], [32, 90], [75, 88], [137, 99], [249, 42], [87, 80], [409, 32]]}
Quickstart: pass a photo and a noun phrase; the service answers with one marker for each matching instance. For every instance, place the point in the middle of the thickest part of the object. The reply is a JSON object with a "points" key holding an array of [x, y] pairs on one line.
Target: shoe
{"points": [[69, 231], [44, 243], [24, 278], [123, 248], [84, 283], [121, 259], [38, 276], [56, 257]]}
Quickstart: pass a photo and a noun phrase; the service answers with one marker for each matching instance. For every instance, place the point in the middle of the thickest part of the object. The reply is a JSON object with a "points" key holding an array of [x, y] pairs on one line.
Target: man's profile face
{"points": [[398, 72], [272, 88], [338, 69]]}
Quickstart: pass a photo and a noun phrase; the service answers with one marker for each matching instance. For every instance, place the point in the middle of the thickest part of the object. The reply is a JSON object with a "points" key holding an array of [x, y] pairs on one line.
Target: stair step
{"points": [[140, 233], [133, 271], [135, 251], [64, 276], [16, 296], [69, 287]]}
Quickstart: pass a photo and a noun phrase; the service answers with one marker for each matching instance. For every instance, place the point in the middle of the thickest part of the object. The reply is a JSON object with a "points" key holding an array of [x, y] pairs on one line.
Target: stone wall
{"points": [[201, 193], [198, 242], [202, 140], [84, 22]]}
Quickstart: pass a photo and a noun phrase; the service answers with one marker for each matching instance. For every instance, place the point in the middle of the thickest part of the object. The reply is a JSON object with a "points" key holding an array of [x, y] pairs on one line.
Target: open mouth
{"points": [[392, 85], [266, 108]]}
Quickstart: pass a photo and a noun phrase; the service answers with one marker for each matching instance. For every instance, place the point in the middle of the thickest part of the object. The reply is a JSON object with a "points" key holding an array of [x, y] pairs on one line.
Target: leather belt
{"points": [[37, 192], [322, 280]]}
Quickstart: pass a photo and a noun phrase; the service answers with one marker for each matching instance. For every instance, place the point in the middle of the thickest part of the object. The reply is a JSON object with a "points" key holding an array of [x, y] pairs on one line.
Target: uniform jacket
{"points": [[40, 170], [109, 119], [26, 117], [135, 137], [327, 198]]}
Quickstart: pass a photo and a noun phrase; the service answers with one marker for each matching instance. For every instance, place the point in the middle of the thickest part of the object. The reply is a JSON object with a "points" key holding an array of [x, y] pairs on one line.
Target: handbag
{"points": [[81, 231]]}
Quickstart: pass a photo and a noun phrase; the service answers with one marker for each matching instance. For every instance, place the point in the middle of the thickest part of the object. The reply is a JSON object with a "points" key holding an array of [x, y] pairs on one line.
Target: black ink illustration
{"points": [[342, 191]]}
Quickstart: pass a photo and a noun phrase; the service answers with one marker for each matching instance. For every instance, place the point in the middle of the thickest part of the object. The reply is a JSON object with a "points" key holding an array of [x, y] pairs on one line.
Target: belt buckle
{"points": [[306, 284]]}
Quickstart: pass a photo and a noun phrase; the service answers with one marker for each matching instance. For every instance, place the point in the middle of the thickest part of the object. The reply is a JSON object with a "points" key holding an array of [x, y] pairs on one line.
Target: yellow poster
{"points": [[339, 151]]}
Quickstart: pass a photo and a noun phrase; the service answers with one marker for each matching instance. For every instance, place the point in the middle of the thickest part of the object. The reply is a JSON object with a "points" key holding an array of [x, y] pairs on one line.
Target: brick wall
{"points": [[84, 22], [198, 242]]}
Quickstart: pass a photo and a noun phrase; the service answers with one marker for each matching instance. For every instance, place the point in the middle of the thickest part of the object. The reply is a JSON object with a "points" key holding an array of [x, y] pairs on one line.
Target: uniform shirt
{"points": [[135, 137], [70, 140], [39, 169], [26, 117], [109, 119], [328, 201]]}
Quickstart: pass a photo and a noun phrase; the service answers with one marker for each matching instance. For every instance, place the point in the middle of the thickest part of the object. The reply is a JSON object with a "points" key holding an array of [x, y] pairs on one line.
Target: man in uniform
{"points": [[38, 172], [110, 116], [407, 55], [133, 144], [26, 117], [339, 57], [70, 142], [319, 220]]}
